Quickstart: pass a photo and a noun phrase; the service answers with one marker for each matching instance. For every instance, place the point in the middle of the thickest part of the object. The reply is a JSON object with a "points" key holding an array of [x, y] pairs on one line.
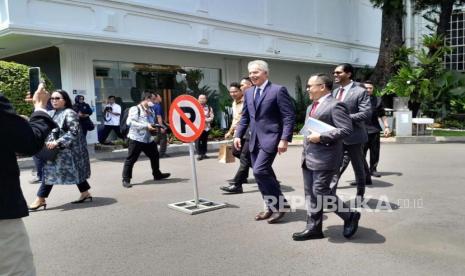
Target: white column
{"points": [[77, 77]]}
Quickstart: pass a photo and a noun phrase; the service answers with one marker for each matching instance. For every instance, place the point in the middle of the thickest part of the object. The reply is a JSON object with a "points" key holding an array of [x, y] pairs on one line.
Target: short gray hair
{"points": [[262, 65]]}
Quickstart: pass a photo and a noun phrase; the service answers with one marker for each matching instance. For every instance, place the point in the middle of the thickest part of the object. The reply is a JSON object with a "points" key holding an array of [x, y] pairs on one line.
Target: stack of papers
{"points": [[314, 125]]}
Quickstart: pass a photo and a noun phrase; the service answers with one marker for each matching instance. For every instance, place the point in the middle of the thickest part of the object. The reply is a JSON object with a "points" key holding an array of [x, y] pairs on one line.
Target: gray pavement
{"points": [[133, 232]]}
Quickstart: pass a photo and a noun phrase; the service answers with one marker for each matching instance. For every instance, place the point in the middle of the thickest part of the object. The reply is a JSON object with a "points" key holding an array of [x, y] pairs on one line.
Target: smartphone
{"points": [[34, 79]]}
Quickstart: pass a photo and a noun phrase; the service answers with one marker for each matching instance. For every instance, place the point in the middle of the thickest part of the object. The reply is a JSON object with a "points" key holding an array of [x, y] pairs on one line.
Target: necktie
{"points": [[340, 94], [314, 105], [257, 97]]}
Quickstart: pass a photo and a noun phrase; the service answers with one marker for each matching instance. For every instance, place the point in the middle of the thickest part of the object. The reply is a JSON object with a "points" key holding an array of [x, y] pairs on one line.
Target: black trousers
{"points": [[103, 134], [44, 190], [134, 150], [353, 154], [245, 163], [201, 143], [373, 145], [317, 192]]}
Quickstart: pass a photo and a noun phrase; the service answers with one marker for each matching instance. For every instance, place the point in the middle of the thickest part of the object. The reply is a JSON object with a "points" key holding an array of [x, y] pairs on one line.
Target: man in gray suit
{"points": [[321, 158], [358, 102]]}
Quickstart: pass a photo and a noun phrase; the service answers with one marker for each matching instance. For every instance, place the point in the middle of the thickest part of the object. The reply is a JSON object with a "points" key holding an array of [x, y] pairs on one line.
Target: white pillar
{"points": [[77, 77]]}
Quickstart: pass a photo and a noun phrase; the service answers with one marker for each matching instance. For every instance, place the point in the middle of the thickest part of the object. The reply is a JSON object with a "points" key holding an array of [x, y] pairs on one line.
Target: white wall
{"points": [[315, 31]]}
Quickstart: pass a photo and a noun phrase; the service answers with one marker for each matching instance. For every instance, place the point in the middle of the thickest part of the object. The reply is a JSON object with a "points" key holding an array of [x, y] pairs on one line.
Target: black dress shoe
{"points": [[351, 225], [375, 174], [233, 181], [161, 176], [233, 189], [126, 184], [307, 234], [199, 158]]}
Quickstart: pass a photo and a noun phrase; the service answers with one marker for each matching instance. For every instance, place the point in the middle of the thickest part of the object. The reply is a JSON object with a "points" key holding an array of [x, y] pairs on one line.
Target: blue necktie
{"points": [[257, 97]]}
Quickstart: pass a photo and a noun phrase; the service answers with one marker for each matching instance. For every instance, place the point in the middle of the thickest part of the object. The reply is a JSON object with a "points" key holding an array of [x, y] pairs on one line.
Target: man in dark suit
{"points": [[358, 102], [321, 158], [17, 135], [373, 128], [269, 111]]}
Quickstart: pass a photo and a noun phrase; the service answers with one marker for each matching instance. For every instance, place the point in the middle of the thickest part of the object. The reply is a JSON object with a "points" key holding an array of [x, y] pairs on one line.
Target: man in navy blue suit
{"points": [[269, 112]]}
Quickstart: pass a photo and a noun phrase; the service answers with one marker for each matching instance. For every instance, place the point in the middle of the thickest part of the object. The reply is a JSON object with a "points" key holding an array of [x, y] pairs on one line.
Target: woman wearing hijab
{"points": [[83, 111]]}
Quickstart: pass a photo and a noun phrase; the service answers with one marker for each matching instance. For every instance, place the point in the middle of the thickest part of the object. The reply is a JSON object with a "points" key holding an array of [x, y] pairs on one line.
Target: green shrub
{"points": [[14, 84], [216, 134]]}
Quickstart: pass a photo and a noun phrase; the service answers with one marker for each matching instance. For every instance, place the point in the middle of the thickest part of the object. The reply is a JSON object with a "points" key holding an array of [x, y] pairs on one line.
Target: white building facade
{"points": [[112, 47]]}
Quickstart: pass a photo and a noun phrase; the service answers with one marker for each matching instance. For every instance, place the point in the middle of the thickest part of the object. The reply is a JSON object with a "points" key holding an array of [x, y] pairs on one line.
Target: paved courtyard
{"points": [[414, 222]]}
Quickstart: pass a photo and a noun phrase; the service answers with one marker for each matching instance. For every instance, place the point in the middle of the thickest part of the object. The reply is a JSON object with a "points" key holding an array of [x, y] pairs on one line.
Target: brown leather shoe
{"points": [[276, 217], [263, 215]]}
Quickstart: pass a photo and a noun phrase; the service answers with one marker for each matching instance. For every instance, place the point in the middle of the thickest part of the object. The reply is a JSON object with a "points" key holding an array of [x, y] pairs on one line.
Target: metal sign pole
{"points": [[194, 174], [188, 129]]}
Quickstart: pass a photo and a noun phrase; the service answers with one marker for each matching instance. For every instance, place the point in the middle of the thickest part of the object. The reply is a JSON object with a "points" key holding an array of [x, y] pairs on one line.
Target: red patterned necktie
{"points": [[340, 94], [312, 112]]}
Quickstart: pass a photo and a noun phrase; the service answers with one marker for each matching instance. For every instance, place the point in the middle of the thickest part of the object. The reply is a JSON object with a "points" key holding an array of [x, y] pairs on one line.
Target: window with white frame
{"points": [[456, 41]]}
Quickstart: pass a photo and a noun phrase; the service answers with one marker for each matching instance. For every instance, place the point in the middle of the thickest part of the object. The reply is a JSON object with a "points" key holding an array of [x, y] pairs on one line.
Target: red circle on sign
{"points": [[175, 108]]}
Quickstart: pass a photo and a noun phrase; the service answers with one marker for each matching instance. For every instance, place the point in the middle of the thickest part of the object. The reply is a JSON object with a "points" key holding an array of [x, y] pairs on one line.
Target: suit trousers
{"points": [[266, 179], [353, 154], [201, 143], [317, 193], [373, 145], [245, 163], [134, 150], [103, 134], [15, 250], [44, 190]]}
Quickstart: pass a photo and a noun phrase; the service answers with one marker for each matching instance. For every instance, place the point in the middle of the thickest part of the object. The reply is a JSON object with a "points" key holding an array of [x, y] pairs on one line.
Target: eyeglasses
{"points": [[338, 72], [310, 86], [55, 98]]}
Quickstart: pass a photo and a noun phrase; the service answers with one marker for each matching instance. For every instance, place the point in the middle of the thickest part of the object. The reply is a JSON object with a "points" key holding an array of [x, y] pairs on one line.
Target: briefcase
{"points": [[225, 154]]}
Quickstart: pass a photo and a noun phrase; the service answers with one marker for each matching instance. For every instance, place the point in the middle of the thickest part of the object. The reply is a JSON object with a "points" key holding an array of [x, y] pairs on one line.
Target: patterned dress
{"points": [[72, 164]]}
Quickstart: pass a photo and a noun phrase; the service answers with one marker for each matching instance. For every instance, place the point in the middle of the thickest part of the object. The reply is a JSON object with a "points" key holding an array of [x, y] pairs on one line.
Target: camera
{"points": [[108, 109]]}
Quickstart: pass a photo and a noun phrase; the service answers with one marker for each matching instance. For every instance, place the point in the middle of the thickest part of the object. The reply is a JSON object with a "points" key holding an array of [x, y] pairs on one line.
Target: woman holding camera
{"points": [[71, 165]]}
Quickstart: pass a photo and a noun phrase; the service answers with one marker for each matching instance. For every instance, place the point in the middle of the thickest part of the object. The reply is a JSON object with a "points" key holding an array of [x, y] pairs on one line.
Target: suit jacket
{"points": [[327, 154], [17, 135], [377, 111], [271, 121], [359, 105]]}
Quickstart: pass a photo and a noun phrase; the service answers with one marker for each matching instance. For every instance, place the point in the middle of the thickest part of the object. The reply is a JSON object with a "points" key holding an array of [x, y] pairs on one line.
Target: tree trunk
{"points": [[391, 39], [444, 17]]}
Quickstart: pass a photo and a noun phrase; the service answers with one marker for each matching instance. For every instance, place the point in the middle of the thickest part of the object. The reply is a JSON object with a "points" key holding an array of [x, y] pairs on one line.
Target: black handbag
{"points": [[47, 154], [87, 124]]}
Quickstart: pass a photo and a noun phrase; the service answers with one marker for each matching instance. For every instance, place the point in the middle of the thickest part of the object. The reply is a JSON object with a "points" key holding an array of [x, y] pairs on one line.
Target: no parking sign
{"points": [[186, 118], [187, 122]]}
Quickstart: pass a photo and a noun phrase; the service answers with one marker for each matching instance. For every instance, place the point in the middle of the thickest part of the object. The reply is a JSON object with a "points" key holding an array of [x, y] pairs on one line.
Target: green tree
{"points": [[301, 103], [427, 83], [14, 84]]}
